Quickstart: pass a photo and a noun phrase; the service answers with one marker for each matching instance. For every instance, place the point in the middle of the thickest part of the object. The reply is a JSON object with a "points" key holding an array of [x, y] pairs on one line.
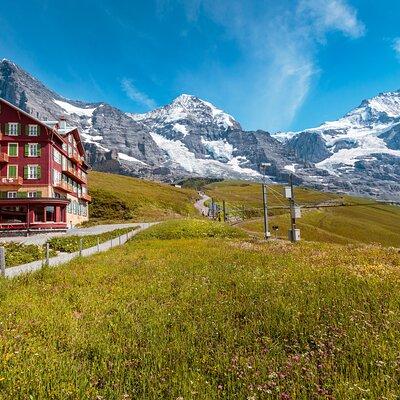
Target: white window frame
{"points": [[57, 156], [8, 149], [33, 146], [13, 128], [56, 176], [33, 130], [32, 194], [12, 195], [8, 171], [33, 167]]}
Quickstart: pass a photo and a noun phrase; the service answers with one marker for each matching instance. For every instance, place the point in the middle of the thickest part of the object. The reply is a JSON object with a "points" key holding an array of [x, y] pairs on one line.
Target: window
{"points": [[56, 176], [56, 156], [13, 149], [33, 130], [32, 150], [50, 213], [12, 129], [11, 195], [33, 194], [12, 171], [32, 172]]}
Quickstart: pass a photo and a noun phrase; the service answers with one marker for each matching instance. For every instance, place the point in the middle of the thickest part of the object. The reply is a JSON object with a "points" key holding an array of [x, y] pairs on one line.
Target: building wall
{"points": [[48, 140], [8, 114], [74, 213]]}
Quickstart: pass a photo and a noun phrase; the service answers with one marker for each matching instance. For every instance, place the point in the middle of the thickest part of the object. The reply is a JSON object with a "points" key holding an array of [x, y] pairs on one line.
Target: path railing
{"points": [[66, 257]]}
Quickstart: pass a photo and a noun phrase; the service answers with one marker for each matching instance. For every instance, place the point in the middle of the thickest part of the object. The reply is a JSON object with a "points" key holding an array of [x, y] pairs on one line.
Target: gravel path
{"points": [[41, 238], [66, 257], [199, 205]]}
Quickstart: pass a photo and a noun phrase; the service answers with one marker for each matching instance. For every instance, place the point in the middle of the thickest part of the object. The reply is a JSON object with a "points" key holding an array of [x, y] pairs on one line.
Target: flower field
{"points": [[206, 318]]}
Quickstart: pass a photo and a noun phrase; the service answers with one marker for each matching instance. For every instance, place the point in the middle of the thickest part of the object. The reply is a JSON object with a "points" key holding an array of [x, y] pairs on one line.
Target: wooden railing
{"points": [[11, 181], [3, 158]]}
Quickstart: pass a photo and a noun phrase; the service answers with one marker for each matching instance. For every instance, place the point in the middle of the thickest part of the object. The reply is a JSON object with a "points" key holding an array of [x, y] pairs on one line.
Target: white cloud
{"points": [[279, 44], [327, 15], [134, 94], [396, 46]]}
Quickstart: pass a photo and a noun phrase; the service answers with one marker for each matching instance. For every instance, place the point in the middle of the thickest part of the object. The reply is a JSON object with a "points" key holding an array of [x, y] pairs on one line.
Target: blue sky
{"points": [[274, 65]]}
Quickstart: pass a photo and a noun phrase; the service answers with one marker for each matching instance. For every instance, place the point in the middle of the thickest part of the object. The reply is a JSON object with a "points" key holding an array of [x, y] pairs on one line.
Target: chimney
{"points": [[62, 123]]}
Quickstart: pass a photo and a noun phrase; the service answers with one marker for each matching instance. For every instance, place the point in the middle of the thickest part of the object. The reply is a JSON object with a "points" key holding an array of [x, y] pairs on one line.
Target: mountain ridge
{"points": [[358, 153]]}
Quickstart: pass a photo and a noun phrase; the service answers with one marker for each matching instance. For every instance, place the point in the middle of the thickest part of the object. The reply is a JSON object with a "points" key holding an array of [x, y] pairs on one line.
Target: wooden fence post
{"points": [[98, 244], [47, 253], [3, 261], [80, 246]]}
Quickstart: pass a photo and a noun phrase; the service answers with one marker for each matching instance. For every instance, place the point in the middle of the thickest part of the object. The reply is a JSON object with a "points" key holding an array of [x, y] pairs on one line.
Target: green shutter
{"points": [[39, 193], [38, 130], [7, 129], [39, 150], [26, 172], [19, 129], [39, 172], [12, 171], [27, 130], [3, 195], [26, 150], [22, 194]]}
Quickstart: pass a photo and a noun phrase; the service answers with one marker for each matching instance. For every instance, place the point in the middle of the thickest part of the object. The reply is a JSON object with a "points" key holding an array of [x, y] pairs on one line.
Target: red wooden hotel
{"points": [[43, 173]]}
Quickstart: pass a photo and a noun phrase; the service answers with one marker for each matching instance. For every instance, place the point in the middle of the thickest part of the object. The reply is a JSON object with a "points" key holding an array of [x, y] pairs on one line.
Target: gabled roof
{"points": [[51, 125]]}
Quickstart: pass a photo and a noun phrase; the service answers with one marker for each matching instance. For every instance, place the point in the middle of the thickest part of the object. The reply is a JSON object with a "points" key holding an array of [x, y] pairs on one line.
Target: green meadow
{"points": [[122, 198], [350, 220], [208, 314]]}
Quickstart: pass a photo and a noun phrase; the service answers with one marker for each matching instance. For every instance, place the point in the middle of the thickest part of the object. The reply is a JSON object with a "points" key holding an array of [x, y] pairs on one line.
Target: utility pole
{"points": [[294, 233], [263, 168]]}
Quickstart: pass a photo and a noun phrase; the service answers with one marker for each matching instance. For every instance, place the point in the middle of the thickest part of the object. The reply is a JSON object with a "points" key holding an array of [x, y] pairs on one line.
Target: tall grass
{"points": [[206, 319]]}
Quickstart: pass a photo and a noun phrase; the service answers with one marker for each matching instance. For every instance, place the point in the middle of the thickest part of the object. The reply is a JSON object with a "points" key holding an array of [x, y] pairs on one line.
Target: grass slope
{"points": [[206, 318], [237, 193], [359, 221], [117, 197]]}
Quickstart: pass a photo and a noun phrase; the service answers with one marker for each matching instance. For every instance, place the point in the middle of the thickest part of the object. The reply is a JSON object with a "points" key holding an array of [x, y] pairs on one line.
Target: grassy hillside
{"points": [[208, 318], [352, 220], [237, 193], [117, 197]]}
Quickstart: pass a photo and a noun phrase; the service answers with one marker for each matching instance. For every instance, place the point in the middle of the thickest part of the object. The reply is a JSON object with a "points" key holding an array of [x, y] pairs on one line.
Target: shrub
{"points": [[17, 253]]}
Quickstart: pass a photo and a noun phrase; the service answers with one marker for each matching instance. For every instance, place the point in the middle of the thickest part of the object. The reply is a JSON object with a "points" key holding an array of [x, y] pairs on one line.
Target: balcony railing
{"points": [[75, 174], [76, 157], [11, 181], [86, 197], [3, 158], [64, 186]]}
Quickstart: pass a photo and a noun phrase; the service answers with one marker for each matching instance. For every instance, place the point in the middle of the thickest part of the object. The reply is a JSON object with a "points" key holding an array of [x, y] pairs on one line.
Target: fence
{"points": [[66, 257]]}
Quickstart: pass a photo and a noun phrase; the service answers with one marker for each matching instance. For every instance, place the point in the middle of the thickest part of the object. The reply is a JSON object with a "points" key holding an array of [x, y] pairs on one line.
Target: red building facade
{"points": [[43, 173]]}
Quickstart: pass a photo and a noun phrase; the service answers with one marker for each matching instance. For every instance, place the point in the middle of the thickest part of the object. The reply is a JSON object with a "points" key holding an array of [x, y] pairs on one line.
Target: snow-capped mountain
{"points": [[353, 148], [359, 153]]}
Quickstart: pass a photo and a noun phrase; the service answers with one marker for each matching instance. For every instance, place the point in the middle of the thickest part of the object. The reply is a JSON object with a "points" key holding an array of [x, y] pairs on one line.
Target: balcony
{"points": [[64, 186], [3, 158], [86, 197], [76, 157], [74, 174], [11, 182]]}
